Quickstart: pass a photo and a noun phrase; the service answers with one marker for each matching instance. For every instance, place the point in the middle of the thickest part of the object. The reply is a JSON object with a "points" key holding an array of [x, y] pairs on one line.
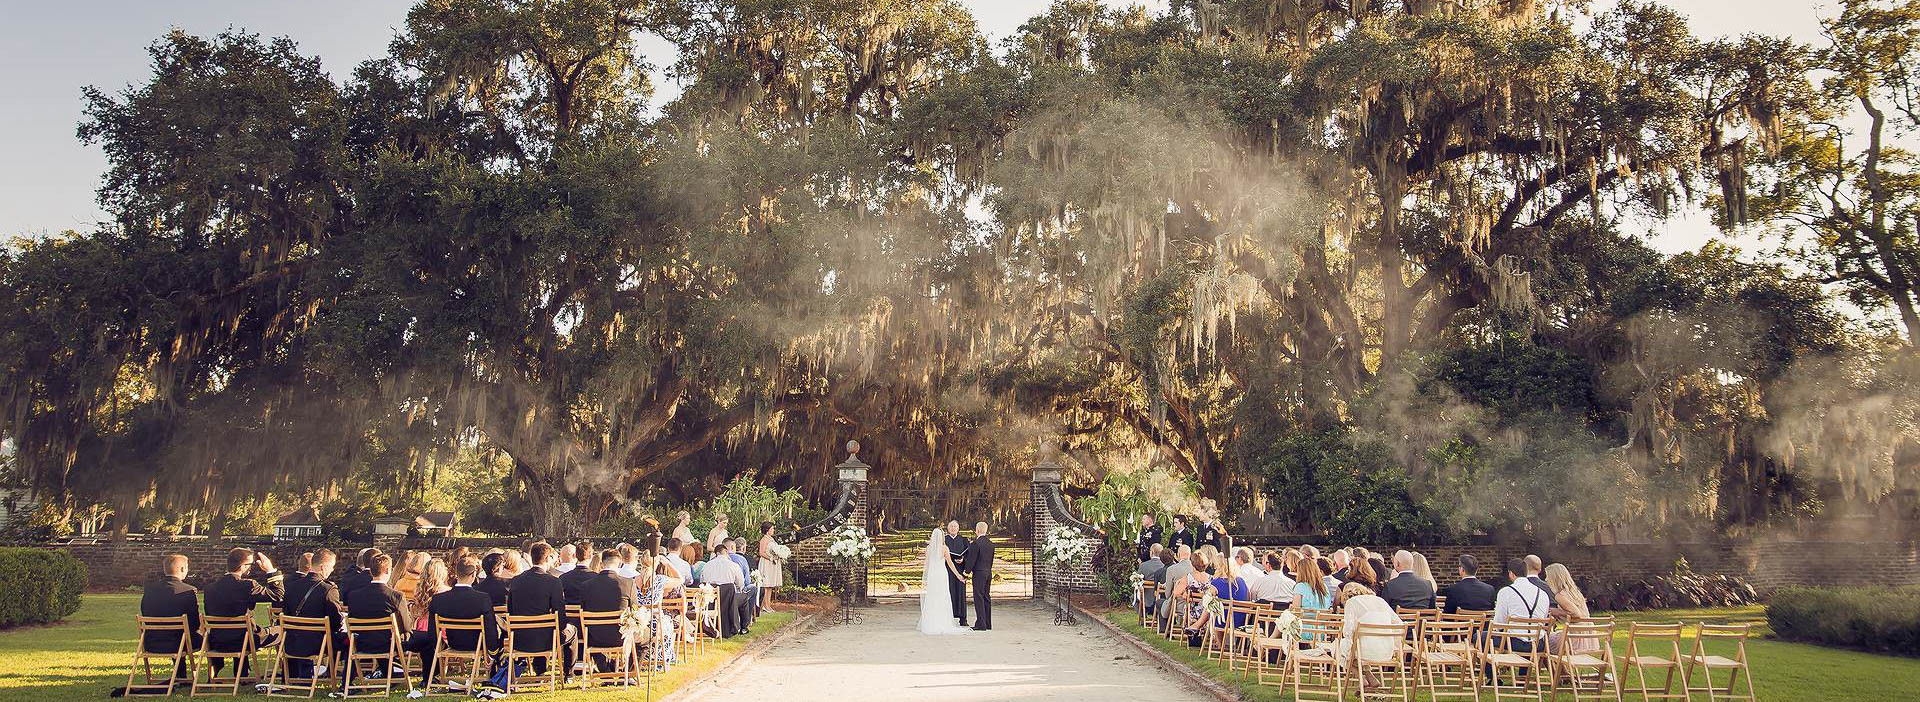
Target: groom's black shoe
{"points": [[977, 628]]}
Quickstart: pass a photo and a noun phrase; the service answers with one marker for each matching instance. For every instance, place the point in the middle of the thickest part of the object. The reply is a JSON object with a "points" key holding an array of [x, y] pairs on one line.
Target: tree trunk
{"points": [[553, 515], [1396, 310]]}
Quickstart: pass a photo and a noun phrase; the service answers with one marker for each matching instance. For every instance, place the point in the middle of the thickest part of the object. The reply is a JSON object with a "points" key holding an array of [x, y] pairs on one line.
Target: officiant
{"points": [[956, 588]]}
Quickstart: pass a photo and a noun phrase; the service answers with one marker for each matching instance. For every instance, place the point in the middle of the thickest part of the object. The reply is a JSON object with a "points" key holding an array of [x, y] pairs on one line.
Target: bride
{"points": [[936, 609]]}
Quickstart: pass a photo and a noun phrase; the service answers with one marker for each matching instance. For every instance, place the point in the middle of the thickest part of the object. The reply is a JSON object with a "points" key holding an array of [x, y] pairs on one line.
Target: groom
{"points": [[978, 565], [956, 588]]}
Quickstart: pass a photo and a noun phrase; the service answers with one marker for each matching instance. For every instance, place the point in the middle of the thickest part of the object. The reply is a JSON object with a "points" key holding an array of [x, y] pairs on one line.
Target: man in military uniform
{"points": [[1149, 536], [1210, 533], [1181, 537]]}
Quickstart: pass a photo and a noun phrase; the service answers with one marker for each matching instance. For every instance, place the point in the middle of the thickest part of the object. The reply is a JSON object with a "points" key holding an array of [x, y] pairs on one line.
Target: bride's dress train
{"points": [[936, 605]]}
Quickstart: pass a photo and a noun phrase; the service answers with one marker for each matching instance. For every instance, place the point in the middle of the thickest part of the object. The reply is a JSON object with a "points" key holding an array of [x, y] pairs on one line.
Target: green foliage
{"points": [[747, 503], [1347, 485], [1871, 618], [39, 586]]}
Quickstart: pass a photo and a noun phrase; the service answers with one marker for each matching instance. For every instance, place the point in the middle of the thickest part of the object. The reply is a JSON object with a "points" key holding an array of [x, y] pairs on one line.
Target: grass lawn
{"points": [[87, 655], [1781, 670]]}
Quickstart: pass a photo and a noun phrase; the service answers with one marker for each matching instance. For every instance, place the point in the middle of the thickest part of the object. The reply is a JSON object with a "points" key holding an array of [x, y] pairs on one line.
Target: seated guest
{"points": [[357, 575], [1339, 560], [749, 590], [1151, 571], [170, 596], [1407, 590], [406, 579], [697, 562], [1422, 571], [1246, 567], [1275, 588], [1520, 599], [1228, 585], [573, 581], [1569, 605], [1360, 570], [379, 600], [651, 590], [461, 601], [250, 579], [1381, 574], [320, 601], [1533, 573], [726, 577], [1310, 592], [536, 592], [296, 586], [497, 583], [1363, 607], [1190, 592], [629, 560], [607, 591], [1175, 576], [676, 558], [1326, 570], [1469, 592], [567, 561], [434, 579]]}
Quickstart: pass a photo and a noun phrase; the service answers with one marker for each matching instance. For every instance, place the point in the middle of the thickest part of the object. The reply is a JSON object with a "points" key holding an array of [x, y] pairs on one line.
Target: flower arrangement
{"points": [[781, 551], [850, 546], [1287, 628], [1136, 581], [1212, 604], [1064, 545], [637, 623]]}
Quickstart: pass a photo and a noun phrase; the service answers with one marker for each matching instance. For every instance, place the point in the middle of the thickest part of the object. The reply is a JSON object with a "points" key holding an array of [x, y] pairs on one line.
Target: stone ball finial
{"points": [[853, 447]]}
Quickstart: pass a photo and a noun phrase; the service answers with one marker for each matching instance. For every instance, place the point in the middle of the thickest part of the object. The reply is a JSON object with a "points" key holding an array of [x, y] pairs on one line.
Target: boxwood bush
{"points": [[1872, 618], [38, 586]]}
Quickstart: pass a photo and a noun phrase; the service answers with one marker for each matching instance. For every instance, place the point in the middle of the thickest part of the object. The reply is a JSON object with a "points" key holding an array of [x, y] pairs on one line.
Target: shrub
{"points": [[38, 586], [1681, 588], [1873, 618]]}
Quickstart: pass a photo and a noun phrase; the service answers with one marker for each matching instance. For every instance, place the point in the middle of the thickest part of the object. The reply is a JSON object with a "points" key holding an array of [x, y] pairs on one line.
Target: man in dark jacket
{"points": [[298, 583], [171, 596], [1406, 590], [250, 579], [1180, 536], [357, 576], [320, 601], [463, 601], [607, 591], [496, 584], [1469, 592], [378, 600], [537, 592]]}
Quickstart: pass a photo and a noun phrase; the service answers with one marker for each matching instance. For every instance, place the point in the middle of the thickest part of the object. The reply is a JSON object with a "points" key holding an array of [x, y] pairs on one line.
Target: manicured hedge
{"points": [[39, 585], [1873, 618]]}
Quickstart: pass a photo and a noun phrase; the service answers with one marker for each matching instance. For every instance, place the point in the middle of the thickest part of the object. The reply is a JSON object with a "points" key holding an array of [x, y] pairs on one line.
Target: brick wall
{"points": [[1077, 576], [136, 561]]}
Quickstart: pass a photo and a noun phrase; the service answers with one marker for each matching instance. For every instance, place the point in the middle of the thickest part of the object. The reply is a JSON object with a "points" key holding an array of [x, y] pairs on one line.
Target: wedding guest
{"points": [[567, 560], [1276, 587], [379, 600], [1381, 574], [727, 579], [1181, 538], [1423, 571], [771, 575], [1152, 573], [1309, 551], [1407, 590], [574, 582], [537, 592], [629, 560], [250, 579], [1149, 545], [1469, 592], [1361, 606], [1359, 570], [1311, 591], [494, 566], [357, 576], [411, 573], [1246, 567], [1339, 560], [683, 528], [296, 586], [698, 562], [1326, 568], [675, 558], [1569, 605], [718, 533], [1227, 585], [461, 601], [459, 554], [1195, 584], [171, 596], [434, 579], [653, 589], [1176, 575], [321, 601], [1533, 573], [749, 591], [1520, 599]]}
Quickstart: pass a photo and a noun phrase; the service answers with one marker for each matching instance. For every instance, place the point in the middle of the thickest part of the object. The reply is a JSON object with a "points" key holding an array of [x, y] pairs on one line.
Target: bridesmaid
{"points": [[770, 578]]}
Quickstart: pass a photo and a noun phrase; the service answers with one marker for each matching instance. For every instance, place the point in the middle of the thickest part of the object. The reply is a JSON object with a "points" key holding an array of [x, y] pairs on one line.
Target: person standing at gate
{"points": [[1149, 538], [956, 553]]}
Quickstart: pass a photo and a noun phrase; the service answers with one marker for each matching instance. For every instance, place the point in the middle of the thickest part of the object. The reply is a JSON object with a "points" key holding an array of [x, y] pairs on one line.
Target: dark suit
{"points": [[296, 589], [354, 579], [572, 581], [534, 593], [1181, 538], [496, 588], [171, 597], [1207, 537], [606, 591], [378, 600], [461, 602], [1407, 591], [1148, 537], [1339, 575], [322, 600], [1380, 572], [978, 564], [233, 596], [957, 588], [1469, 593]]}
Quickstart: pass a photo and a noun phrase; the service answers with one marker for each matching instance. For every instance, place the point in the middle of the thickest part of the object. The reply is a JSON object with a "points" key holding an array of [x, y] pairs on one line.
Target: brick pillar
{"points": [[1046, 492], [853, 475]]}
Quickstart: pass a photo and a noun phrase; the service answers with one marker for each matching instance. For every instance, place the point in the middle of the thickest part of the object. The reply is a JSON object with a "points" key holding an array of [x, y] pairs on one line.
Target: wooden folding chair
{"points": [[621, 656], [178, 662], [1314, 670], [1143, 598], [1388, 643], [370, 673], [580, 638], [1584, 665], [1516, 658], [1654, 647], [1270, 647], [1726, 638], [528, 631], [447, 658], [1241, 632], [281, 683], [1440, 602], [1213, 636], [1445, 659], [216, 683]]}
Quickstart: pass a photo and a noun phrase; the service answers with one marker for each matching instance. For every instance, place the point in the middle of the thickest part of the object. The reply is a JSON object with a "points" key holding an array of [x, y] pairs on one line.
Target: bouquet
{"points": [[850, 546], [1287, 628], [781, 552], [1212, 604], [1064, 545], [637, 623]]}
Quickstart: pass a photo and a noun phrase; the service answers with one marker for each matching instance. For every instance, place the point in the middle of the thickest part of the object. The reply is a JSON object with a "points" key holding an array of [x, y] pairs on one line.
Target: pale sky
{"points": [[50, 50]]}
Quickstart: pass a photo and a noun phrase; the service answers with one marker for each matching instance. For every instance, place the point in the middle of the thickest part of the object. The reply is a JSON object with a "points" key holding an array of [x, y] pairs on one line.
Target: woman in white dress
{"points": [[1363, 607], [684, 530], [936, 610]]}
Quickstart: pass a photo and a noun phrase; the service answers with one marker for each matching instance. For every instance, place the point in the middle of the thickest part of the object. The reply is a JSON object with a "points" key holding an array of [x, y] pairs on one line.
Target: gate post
{"points": [[1049, 512], [853, 479]]}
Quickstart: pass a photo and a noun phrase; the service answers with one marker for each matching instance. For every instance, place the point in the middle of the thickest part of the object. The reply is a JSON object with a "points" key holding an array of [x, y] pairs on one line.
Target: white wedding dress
{"points": [[936, 609]]}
